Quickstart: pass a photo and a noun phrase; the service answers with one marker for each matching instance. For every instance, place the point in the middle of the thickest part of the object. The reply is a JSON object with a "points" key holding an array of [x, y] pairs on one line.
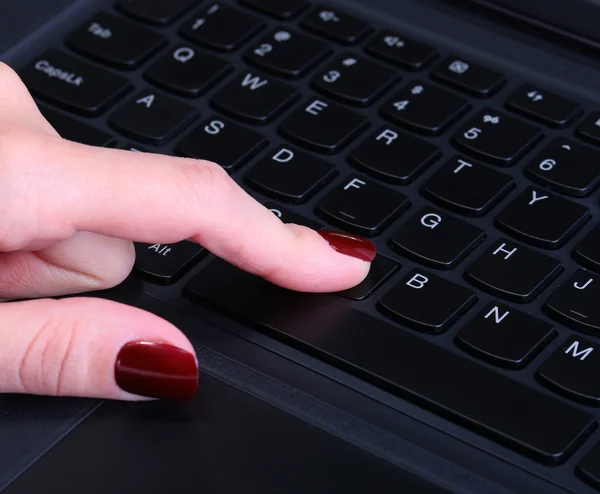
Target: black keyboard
{"points": [[478, 188]]}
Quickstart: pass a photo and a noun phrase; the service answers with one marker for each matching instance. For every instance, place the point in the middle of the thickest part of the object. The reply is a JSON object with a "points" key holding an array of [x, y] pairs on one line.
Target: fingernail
{"points": [[157, 370], [350, 245]]}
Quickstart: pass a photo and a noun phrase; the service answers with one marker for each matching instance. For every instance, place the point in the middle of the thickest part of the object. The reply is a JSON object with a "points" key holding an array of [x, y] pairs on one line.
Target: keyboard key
{"points": [[290, 175], [288, 216], [282, 9], [575, 303], [221, 27], [512, 271], [497, 137], [573, 370], [362, 206], [255, 98], [540, 218], [590, 128], [437, 239], [222, 142], [542, 426], [354, 80], [587, 252], [425, 108], [381, 270], [116, 41], [469, 77], [589, 468], [505, 336], [323, 126], [73, 130], [394, 155], [400, 50], [130, 146], [73, 84], [544, 106], [152, 118], [336, 25], [566, 166], [156, 11], [165, 264], [186, 71], [426, 302], [287, 53], [467, 187]]}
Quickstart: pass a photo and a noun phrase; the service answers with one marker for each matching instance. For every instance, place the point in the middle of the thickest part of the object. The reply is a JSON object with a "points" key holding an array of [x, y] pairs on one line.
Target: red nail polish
{"points": [[157, 370], [350, 245]]}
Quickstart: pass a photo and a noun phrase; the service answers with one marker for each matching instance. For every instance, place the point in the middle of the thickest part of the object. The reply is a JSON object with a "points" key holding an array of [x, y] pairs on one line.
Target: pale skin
{"points": [[69, 215]]}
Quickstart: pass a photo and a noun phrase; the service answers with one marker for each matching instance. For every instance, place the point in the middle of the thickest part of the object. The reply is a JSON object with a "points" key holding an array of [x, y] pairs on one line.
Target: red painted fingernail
{"points": [[157, 370], [350, 245]]}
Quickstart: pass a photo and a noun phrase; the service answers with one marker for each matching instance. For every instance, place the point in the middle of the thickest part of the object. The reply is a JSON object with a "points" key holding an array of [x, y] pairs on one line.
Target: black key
{"points": [[152, 117], [188, 72], [381, 270], [425, 108], [290, 175], [73, 84], [426, 302], [573, 370], [135, 148], [497, 137], [255, 98], [467, 187], [544, 106], [222, 142], [76, 131], [587, 252], [116, 41], [282, 9], [590, 128], [505, 336], [437, 239], [287, 53], [566, 166], [469, 77], [542, 426], [400, 50], [575, 303], [156, 11], [589, 468], [512, 271], [355, 80], [288, 216], [394, 155], [540, 218], [165, 264], [362, 206], [221, 27], [336, 25], [323, 126]]}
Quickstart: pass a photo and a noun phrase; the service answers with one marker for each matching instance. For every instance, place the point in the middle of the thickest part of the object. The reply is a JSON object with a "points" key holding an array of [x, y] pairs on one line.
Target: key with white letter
{"points": [[573, 370], [576, 303], [426, 302]]}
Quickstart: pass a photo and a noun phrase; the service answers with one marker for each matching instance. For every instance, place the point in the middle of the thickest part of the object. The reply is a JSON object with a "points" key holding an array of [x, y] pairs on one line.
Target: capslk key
{"points": [[497, 137], [362, 205], [116, 41], [540, 218], [72, 83], [575, 303]]}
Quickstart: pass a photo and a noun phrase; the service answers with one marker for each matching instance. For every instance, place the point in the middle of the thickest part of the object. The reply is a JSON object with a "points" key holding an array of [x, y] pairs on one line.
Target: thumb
{"points": [[93, 348]]}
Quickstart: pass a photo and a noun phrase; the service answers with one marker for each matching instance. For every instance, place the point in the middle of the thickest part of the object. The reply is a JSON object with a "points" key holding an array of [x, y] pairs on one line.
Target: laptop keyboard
{"points": [[477, 191]]}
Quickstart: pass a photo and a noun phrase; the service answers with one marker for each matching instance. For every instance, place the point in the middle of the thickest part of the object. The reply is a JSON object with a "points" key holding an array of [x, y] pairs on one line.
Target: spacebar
{"points": [[325, 326]]}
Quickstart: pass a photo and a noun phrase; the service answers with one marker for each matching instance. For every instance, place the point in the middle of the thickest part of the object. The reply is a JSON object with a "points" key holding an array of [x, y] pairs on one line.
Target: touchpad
{"points": [[226, 441]]}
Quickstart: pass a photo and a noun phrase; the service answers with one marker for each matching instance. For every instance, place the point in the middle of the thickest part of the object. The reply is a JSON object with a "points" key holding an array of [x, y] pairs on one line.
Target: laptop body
{"points": [[275, 416]]}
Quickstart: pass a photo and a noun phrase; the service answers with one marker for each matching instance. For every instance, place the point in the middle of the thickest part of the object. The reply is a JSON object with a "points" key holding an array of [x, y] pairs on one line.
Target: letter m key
{"points": [[575, 352]]}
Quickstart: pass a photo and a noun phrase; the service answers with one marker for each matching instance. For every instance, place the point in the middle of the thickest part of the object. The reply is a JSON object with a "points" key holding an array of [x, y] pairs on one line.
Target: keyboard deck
{"points": [[478, 188]]}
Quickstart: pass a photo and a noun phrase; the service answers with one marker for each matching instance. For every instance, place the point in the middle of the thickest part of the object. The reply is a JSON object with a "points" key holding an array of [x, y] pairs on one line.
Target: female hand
{"points": [[68, 216]]}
